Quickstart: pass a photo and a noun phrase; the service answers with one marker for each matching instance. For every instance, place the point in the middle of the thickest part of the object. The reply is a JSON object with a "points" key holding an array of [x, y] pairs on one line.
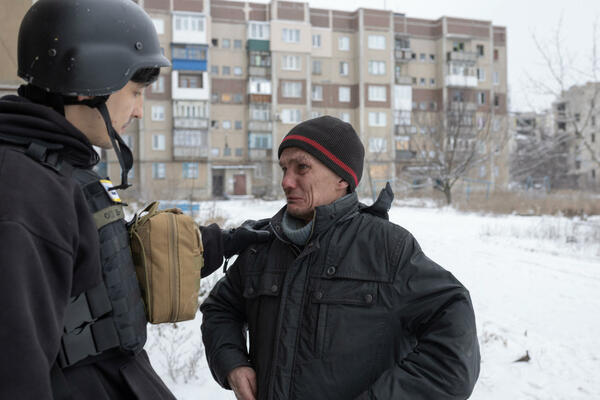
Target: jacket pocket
{"points": [[265, 284], [345, 311]]}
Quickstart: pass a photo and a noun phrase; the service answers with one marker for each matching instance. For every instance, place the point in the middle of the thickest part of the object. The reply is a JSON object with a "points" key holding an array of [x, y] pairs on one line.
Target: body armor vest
{"points": [[110, 315]]}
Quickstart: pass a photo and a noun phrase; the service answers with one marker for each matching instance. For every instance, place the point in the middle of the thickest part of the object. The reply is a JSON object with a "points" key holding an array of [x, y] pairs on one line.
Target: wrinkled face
{"points": [[308, 183], [125, 105]]}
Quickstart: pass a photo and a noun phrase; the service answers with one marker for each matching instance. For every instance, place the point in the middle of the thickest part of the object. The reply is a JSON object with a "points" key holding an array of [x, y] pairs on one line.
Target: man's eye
{"points": [[302, 166]]}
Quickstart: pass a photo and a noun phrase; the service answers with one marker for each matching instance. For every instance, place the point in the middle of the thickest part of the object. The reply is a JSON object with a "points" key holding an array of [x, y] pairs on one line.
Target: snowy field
{"points": [[535, 285]]}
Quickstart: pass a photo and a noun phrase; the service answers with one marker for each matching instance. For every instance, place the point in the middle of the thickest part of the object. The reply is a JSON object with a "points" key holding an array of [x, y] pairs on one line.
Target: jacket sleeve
{"points": [[223, 325], [444, 362], [35, 285]]}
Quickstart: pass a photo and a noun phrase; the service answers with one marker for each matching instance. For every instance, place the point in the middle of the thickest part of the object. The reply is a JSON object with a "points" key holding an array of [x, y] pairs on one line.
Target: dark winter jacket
{"points": [[360, 312], [49, 252]]}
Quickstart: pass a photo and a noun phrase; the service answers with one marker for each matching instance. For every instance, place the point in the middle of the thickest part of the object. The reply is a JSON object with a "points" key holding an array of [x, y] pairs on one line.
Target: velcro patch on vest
{"points": [[108, 185]]}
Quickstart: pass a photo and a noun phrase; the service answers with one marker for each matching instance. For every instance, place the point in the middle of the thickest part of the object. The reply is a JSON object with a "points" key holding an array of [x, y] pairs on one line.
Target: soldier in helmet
{"points": [[73, 324]]}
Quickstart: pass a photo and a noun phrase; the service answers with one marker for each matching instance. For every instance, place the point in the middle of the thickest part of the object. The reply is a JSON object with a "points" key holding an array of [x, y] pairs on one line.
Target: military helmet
{"points": [[86, 47]]}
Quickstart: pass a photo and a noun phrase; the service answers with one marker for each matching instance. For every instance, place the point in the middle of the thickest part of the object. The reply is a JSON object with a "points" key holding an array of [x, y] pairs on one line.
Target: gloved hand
{"points": [[237, 239]]}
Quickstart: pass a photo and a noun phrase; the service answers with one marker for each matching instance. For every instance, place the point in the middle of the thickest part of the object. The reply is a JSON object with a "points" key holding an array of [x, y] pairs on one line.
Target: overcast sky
{"points": [[522, 19]]}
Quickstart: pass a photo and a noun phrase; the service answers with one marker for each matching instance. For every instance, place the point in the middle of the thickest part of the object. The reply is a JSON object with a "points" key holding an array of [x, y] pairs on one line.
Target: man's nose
{"points": [[288, 182], [138, 110]]}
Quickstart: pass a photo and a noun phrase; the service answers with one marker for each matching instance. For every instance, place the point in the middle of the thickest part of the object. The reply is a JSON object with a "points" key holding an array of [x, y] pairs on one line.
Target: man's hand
{"points": [[237, 239], [243, 382]]}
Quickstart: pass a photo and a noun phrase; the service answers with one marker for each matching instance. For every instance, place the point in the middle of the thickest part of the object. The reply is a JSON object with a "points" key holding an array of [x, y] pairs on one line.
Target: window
{"points": [[239, 152], [214, 69], [432, 81], [377, 145], [225, 70], [158, 113], [291, 35], [496, 55], [377, 119], [414, 80], [316, 67], [258, 30], [226, 43], [432, 57], [215, 42], [343, 68], [316, 41], [215, 151], [481, 98], [238, 125], [190, 170], [422, 82], [226, 151], [260, 85], [291, 63], [237, 98], [190, 81], [402, 118], [344, 43], [158, 142], [315, 114], [593, 121], [481, 74], [376, 42], [377, 67], [344, 94], [158, 171], [189, 23], [225, 98], [413, 56], [496, 78], [496, 100], [259, 141], [214, 124], [159, 25], [422, 57], [226, 124], [377, 93], [290, 116], [260, 112], [237, 71], [345, 116], [458, 46], [237, 44], [317, 93], [291, 89], [158, 86], [188, 52], [480, 50]]}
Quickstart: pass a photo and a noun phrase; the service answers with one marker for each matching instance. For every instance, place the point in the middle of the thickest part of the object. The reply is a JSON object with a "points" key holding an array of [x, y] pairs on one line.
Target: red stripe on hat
{"points": [[327, 153]]}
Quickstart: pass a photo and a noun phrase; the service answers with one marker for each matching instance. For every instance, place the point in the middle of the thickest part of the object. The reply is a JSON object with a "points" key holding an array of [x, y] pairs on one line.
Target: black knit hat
{"points": [[333, 142]]}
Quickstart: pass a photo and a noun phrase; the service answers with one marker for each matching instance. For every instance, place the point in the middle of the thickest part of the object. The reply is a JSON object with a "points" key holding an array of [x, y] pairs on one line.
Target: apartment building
{"points": [[576, 115], [245, 73]]}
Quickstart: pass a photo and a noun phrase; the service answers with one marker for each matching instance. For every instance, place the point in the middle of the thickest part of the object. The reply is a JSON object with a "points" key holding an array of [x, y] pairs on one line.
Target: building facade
{"points": [[245, 73]]}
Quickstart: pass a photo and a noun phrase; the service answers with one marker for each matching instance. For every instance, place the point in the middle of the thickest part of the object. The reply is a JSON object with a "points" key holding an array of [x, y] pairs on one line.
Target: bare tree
{"points": [[448, 145], [576, 120]]}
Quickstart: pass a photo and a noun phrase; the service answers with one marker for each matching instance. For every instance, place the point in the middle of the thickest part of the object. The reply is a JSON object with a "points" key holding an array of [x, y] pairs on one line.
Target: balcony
{"points": [[259, 154], [259, 98], [258, 45], [461, 80], [189, 153], [403, 80], [463, 106], [405, 155], [403, 55], [190, 123], [260, 126], [260, 71], [468, 57]]}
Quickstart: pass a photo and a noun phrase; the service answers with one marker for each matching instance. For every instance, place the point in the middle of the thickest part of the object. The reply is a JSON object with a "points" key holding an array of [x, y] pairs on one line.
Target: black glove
{"points": [[236, 240]]}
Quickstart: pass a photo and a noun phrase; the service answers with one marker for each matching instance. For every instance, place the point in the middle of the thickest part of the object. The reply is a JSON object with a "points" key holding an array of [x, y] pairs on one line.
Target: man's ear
{"points": [[342, 184]]}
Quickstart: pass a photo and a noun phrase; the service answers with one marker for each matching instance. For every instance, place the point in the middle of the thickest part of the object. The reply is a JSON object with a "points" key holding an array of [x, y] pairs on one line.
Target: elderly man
{"points": [[341, 303]]}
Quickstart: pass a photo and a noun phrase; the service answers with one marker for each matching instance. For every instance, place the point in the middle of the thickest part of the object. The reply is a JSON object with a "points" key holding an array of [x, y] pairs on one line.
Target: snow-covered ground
{"points": [[535, 285]]}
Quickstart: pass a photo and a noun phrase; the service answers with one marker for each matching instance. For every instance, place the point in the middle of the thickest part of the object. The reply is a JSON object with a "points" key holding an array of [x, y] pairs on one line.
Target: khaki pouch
{"points": [[167, 252]]}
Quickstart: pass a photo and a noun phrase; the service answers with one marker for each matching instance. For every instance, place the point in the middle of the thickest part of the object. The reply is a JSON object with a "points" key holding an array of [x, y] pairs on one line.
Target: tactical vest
{"points": [[110, 315]]}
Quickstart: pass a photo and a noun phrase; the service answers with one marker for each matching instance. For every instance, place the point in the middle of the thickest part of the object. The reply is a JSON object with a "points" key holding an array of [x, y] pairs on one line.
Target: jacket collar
{"points": [[325, 216]]}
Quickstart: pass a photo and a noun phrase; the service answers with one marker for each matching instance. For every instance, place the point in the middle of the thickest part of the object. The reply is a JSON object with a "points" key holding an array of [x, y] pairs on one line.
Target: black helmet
{"points": [[86, 47]]}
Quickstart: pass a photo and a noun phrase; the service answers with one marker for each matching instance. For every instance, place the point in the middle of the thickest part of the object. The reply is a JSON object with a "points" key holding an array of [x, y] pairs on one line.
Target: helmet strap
{"points": [[123, 152]]}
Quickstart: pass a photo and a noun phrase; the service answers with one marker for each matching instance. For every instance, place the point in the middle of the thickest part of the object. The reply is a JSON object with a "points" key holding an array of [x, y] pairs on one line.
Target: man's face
{"points": [[123, 106], [308, 183]]}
